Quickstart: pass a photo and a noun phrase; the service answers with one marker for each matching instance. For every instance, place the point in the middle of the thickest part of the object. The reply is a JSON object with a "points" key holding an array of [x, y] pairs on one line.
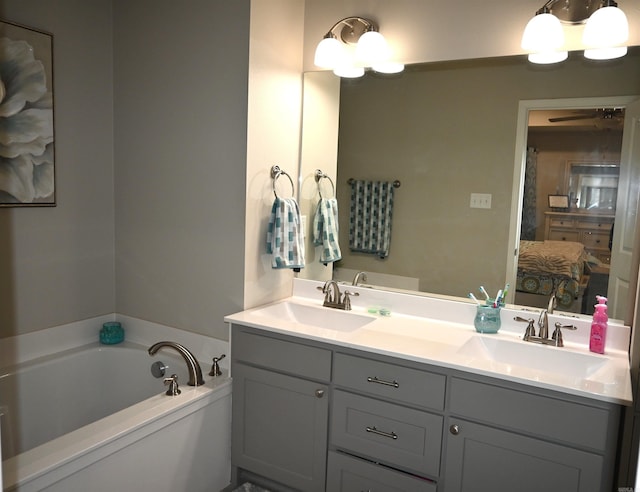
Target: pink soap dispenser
{"points": [[599, 326]]}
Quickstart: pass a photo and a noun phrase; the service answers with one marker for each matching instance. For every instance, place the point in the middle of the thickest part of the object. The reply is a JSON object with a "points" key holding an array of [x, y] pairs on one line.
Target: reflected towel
{"points": [[285, 239], [325, 230], [370, 217]]}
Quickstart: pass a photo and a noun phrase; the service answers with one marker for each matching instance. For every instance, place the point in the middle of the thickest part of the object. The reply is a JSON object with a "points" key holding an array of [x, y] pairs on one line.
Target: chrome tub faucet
{"points": [[195, 372]]}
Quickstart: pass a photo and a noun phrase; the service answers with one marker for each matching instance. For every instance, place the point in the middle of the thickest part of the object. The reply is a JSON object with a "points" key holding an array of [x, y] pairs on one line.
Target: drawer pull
{"points": [[374, 379], [319, 393], [454, 429], [390, 435]]}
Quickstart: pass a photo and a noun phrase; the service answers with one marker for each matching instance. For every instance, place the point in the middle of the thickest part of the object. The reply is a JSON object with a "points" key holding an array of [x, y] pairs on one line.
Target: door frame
{"points": [[524, 106]]}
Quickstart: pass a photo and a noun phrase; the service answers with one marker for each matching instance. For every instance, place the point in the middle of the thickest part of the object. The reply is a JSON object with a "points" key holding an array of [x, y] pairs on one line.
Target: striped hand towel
{"points": [[285, 239], [370, 217], [325, 230]]}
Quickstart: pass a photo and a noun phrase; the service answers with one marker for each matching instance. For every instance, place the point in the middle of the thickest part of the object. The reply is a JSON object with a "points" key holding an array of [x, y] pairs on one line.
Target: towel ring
{"points": [[276, 172], [318, 176]]}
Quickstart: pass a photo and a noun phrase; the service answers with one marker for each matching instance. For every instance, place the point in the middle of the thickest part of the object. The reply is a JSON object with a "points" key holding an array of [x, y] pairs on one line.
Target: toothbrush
{"points": [[496, 303], [484, 292], [471, 296], [504, 292]]}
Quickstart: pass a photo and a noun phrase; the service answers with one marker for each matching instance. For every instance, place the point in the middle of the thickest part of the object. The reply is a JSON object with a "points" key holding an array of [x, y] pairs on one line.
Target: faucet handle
{"points": [[215, 368], [172, 382], [530, 331], [347, 300], [557, 333]]}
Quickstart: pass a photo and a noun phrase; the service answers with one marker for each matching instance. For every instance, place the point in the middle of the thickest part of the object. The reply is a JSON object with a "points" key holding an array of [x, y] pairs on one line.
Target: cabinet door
{"points": [[280, 427], [482, 458]]}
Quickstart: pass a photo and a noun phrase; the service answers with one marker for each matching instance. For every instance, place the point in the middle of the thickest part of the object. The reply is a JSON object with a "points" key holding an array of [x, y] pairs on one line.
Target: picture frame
{"points": [[559, 202], [27, 143]]}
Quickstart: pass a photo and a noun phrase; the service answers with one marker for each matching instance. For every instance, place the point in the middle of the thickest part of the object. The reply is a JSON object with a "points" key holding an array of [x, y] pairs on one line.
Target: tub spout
{"points": [[195, 373]]}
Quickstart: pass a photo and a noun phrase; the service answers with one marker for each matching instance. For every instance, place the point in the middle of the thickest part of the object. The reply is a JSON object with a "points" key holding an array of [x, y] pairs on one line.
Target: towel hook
{"points": [[276, 172], [318, 176]]}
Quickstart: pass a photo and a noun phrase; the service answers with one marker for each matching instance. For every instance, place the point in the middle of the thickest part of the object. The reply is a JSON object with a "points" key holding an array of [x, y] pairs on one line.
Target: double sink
{"points": [[454, 345]]}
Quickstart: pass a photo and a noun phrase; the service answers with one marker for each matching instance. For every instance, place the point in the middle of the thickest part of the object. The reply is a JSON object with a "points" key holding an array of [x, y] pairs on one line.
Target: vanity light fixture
{"points": [[543, 37], [353, 44], [605, 32]]}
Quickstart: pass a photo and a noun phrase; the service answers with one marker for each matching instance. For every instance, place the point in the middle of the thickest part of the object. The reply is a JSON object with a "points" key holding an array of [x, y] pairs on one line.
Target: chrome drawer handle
{"points": [[390, 435], [374, 379]]}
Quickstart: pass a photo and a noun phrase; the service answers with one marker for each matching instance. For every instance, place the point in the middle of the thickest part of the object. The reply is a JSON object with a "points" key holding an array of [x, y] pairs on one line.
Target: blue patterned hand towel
{"points": [[325, 230], [285, 239], [370, 217]]}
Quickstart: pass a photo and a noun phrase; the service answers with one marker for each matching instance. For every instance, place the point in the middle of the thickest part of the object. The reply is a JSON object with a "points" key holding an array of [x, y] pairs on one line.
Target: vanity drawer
{"points": [[562, 223], [385, 380], [295, 358], [387, 433], [559, 235], [596, 226], [347, 474], [546, 417], [599, 240]]}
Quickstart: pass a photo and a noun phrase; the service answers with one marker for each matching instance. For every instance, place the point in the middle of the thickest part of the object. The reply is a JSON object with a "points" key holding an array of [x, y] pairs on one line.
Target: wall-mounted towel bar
{"points": [[318, 176], [276, 172], [396, 183]]}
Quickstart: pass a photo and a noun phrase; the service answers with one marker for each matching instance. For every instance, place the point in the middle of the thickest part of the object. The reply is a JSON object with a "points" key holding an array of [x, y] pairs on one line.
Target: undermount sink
{"points": [[535, 357], [321, 317]]}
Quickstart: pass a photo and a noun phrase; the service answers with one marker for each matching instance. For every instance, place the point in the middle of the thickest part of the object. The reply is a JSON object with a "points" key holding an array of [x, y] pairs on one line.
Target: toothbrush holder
{"points": [[487, 319]]}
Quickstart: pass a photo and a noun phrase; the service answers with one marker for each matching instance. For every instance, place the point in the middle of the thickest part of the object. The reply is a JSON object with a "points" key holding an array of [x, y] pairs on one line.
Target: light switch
{"points": [[480, 200]]}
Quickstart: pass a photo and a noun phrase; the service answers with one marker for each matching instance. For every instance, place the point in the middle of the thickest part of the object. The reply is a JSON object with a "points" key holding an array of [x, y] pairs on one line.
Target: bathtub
{"points": [[94, 418]]}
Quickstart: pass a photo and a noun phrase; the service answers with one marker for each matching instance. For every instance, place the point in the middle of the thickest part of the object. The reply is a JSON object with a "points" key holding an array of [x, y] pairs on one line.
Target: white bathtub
{"points": [[94, 418]]}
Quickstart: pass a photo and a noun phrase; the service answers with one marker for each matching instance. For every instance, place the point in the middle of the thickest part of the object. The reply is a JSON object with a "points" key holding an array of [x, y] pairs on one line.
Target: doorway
{"points": [[586, 131]]}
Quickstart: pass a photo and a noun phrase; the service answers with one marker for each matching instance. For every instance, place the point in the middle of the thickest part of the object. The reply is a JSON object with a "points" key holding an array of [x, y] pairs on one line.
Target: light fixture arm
{"points": [[351, 29]]}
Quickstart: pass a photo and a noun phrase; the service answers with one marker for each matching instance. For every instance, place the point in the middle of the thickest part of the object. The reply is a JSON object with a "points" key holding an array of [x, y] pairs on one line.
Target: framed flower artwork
{"points": [[27, 164]]}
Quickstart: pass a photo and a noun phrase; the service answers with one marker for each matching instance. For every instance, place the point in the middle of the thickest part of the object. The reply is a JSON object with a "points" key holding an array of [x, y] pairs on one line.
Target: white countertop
{"points": [[570, 369]]}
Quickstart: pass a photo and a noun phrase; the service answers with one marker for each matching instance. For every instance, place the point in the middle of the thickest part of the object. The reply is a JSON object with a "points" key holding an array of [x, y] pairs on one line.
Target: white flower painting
{"points": [[27, 167]]}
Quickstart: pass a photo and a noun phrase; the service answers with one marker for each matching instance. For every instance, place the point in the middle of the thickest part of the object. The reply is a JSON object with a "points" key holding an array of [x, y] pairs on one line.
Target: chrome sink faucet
{"points": [[543, 338], [359, 277], [333, 298], [195, 372]]}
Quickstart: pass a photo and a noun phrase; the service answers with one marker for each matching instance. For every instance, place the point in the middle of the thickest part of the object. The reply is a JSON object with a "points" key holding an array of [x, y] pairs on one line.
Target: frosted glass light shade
{"points": [[328, 53], [372, 48], [388, 67], [605, 53], [543, 33], [546, 57], [349, 71], [607, 26], [605, 31]]}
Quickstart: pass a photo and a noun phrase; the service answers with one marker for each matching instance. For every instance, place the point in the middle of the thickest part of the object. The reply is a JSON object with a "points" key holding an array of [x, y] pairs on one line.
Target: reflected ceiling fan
{"points": [[592, 114]]}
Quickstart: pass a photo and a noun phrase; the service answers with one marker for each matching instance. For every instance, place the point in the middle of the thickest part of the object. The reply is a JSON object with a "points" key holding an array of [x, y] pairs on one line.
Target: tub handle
{"points": [[215, 368], [158, 369], [172, 382]]}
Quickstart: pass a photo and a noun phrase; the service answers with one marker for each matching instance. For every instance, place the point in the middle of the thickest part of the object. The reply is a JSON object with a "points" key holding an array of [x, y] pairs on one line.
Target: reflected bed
{"points": [[545, 267]]}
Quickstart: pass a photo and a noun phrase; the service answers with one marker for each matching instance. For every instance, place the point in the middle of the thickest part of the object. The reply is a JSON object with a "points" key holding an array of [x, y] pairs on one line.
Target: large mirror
{"points": [[448, 130]]}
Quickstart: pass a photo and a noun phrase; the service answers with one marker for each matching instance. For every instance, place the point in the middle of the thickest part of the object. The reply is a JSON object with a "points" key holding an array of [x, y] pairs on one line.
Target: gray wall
{"points": [[172, 82], [56, 264], [180, 78]]}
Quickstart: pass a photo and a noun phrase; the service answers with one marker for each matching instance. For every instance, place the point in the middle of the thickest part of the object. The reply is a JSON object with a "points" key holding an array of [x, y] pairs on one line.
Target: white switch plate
{"points": [[480, 200]]}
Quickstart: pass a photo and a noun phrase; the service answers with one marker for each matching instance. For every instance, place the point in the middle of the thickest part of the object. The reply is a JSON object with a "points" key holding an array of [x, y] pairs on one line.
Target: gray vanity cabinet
{"points": [[280, 409], [526, 441], [313, 416]]}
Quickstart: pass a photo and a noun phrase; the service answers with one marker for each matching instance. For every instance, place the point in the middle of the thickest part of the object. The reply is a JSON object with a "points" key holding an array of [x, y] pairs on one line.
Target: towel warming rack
{"points": [[276, 172], [318, 176]]}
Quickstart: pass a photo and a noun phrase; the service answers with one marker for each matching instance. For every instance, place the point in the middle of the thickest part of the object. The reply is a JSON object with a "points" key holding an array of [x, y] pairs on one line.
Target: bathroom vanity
{"points": [[415, 404]]}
